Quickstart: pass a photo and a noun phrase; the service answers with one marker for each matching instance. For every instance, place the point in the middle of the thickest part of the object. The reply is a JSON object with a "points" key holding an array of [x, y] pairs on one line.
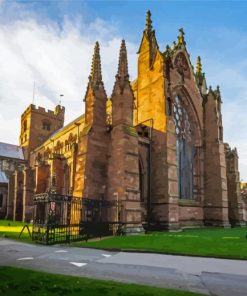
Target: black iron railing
{"points": [[63, 218]]}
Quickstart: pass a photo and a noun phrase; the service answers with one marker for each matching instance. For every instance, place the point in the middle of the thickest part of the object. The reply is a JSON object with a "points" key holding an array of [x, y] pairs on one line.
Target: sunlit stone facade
{"points": [[156, 144]]}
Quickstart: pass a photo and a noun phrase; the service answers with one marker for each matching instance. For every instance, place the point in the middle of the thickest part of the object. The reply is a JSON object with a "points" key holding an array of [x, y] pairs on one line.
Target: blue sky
{"points": [[51, 42]]}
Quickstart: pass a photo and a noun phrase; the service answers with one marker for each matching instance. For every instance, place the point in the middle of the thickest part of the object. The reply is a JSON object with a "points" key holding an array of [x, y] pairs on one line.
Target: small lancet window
{"points": [[25, 125], [169, 107], [46, 126]]}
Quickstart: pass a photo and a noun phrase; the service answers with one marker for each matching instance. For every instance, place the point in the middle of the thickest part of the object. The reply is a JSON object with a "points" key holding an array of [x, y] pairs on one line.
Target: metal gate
{"points": [[62, 218]]}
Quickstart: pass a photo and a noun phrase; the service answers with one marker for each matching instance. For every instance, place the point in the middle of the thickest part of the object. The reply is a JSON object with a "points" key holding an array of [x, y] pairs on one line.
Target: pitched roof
{"points": [[11, 151], [3, 177], [67, 126], [61, 131]]}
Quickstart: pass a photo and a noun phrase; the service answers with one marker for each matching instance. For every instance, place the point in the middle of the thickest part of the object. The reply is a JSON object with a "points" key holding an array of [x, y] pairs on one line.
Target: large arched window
{"points": [[185, 150]]}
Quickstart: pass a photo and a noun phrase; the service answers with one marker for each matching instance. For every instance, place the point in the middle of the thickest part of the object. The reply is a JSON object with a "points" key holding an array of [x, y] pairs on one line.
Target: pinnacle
{"points": [[218, 94], [122, 77], [96, 76], [149, 27], [198, 66], [123, 63], [181, 40]]}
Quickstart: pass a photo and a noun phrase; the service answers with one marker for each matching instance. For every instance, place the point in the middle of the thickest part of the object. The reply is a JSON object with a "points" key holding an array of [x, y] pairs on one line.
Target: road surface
{"points": [[209, 276]]}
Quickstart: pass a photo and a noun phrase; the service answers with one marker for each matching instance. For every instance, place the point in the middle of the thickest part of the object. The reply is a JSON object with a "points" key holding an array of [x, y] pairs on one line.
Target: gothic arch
{"points": [[187, 103], [188, 144]]}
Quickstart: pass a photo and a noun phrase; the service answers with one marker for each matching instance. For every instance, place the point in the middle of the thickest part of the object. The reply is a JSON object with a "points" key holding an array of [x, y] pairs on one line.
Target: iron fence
{"points": [[63, 218]]}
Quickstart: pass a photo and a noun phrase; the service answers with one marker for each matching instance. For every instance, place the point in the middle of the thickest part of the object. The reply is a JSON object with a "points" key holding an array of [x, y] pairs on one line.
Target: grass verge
{"points": [[12, 229], [16, 281], [207, 242], [221, 243]]}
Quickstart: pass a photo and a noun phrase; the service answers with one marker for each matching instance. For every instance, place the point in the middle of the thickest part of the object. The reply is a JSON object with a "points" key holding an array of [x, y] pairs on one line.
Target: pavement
{"points": [[208, 276]]}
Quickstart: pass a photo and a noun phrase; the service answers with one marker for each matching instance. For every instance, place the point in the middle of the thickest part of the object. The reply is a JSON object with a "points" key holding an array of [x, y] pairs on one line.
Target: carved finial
{"points": [[149, 27], [123, 62], [198, 66], [218, 94], [181, 40], [96, 77], [168, 51], [203, 84], [150, 35]]}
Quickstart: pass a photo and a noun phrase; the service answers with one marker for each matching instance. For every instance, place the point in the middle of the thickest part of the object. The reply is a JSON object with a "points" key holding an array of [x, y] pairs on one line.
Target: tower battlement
{"points": [[37, 124], [42, 111]]}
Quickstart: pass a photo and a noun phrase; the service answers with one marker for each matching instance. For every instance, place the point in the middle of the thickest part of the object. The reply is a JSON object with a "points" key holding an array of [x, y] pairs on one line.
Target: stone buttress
{"points": [[151, 112], [123, 163], [215, 182], [91, 167], [235, 203]]}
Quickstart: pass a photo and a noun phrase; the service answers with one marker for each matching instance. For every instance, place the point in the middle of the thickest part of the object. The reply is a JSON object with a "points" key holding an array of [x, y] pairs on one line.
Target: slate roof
{"points": [[3, 177], [11, 151]]}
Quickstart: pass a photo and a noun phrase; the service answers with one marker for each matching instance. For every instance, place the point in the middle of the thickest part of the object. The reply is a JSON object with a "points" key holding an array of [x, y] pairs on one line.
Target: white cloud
{"points": [[58, 59]]}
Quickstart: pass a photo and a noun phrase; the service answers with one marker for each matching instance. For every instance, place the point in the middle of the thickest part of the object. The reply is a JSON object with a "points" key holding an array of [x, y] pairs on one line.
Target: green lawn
{"points": [[12, 223], [209, 242], [12, 229], [15, 281], [225, 243]]}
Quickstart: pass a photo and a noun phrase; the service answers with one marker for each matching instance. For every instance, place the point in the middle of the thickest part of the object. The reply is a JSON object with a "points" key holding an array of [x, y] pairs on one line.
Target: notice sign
{"points": [[53, 206]]}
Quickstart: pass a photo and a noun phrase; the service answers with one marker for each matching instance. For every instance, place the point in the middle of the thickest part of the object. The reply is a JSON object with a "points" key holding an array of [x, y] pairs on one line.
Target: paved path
{"points": [[205, 275]]}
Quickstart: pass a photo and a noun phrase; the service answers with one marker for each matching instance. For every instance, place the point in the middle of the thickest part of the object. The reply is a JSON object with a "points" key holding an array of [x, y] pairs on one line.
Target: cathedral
{"points": [[155, 145]]}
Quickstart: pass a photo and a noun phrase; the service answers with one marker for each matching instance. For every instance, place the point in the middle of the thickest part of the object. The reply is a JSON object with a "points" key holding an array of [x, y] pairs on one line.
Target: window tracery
{"points": [[181, 119], [185, 151], [181, 65]]}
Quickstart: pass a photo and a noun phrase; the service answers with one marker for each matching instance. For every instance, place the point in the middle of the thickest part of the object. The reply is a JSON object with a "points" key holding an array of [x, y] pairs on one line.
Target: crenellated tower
{"points": [[37, 124]]}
